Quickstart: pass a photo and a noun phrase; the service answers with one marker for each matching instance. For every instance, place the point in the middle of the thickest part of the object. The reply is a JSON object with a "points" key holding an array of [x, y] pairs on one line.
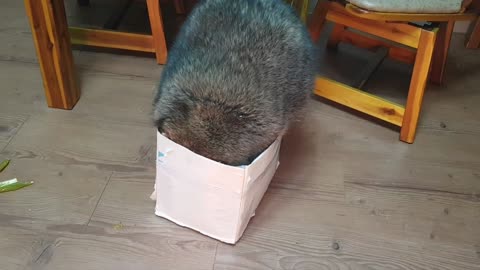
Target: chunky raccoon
{"points": [[237, 74]]}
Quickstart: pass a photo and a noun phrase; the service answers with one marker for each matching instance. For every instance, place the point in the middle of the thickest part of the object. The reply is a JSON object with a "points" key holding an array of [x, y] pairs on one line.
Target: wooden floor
{"points": [[348, 194]]}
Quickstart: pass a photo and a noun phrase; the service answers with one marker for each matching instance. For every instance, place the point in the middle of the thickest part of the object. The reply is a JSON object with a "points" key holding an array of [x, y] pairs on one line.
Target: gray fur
{"points": [[238, 73]]}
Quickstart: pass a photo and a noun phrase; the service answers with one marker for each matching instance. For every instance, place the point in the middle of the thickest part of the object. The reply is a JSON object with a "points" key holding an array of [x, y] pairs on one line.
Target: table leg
{"points": [[156, 24], [52, 41]]}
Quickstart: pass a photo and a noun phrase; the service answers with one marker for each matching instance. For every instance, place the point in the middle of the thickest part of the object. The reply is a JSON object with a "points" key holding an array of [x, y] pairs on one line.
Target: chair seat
{"points": [[410, 6]]}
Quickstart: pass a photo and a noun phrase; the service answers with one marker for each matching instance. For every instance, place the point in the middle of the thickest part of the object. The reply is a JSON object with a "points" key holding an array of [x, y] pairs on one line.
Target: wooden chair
{"points": [[425, 46], [109, 38]]}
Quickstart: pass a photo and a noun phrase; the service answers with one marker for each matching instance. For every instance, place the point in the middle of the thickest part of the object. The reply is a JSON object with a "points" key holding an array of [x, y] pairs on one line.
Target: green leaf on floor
{"points": [[118, 226], [12, 185], [4, 164]]}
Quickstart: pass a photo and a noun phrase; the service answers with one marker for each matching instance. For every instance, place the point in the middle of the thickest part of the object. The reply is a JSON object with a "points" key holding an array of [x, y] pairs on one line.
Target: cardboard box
{"points": [[207, 196]]}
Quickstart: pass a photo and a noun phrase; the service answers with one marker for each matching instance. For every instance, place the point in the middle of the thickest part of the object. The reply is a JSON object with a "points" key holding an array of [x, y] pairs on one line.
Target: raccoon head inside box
{"points": [[237, 75]]}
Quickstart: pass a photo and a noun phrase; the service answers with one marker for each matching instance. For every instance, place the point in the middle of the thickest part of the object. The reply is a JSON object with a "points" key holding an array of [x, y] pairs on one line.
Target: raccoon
{"points": [[237, 74]]}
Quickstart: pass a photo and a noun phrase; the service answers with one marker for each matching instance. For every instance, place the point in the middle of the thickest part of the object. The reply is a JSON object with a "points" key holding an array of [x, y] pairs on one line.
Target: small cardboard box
{"points": [[207, 196]]}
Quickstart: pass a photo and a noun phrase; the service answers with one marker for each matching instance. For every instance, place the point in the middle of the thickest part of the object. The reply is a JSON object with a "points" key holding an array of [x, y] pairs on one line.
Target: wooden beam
{"points": [[112, 39], [52, 42], [359, 100], [417, 86], [397, 32]]}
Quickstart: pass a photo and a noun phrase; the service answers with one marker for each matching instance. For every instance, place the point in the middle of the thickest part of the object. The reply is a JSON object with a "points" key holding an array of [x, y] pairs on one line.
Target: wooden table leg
{"points": [[156, 24], [52, 41]]}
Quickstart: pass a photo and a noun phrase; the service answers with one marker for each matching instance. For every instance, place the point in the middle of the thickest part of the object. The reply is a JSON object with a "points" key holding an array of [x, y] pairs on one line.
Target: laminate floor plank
{"points": [[126, 204], [60, 193], [27, 244], [9, 126], [420, 215], [76, 140], [338, 249]]}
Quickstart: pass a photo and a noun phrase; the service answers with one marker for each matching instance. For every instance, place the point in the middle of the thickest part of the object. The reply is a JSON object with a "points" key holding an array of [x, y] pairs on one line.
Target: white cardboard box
{"points": [[207, 196]]}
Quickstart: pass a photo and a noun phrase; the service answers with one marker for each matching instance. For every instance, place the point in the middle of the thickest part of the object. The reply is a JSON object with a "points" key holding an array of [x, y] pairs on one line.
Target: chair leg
{"points": [[440, 52], [417, 86], [317, 19], [317, 23], [156, 24], [180, 6], [336, 36], [473, 40]]}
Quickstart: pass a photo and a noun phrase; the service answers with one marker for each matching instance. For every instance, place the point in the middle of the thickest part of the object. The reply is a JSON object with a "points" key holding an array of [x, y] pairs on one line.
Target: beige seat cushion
{"points": [[410, 6]]}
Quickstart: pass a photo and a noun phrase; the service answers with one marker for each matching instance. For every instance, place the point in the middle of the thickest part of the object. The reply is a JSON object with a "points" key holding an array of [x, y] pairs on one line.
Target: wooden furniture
{"points": [[426, 47], [154, 43], [53, 39], [473, 38]]}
